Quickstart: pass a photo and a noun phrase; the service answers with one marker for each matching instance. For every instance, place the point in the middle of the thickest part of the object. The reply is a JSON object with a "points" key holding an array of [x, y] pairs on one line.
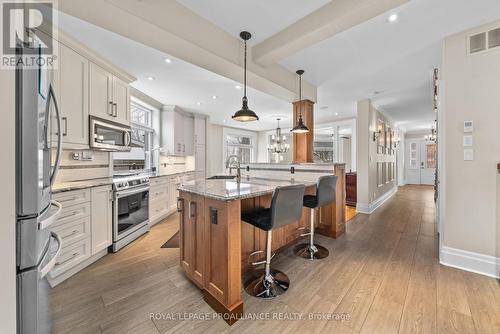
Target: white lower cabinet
{"points": [[163, 196], [102, 229], [85, 227]]}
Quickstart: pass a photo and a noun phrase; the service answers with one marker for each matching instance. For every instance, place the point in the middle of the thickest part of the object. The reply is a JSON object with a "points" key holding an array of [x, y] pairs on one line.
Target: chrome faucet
{"points": [[233, 162]]}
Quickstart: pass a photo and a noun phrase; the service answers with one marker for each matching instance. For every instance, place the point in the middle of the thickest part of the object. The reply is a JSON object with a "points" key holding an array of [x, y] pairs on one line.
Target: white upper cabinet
{"points": [[187, 146], [199, 130], [109, 96], [72, 82], [177, 129], [121, 101], [101, 92]]}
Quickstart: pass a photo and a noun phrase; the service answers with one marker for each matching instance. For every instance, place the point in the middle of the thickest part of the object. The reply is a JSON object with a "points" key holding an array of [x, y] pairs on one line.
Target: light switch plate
{"points": [[467, 140], [468, 126], [468, 154]]}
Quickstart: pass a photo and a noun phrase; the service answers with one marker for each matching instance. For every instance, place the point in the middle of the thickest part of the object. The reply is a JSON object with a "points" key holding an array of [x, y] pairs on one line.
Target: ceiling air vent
{"points": [[477, 43], [494, 38]]}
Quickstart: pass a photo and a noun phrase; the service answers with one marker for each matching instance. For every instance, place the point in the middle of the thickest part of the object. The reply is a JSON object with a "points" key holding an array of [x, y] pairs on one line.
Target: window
{"points": [[240, 145], [140, 156], [431, 155], [140, 114]]}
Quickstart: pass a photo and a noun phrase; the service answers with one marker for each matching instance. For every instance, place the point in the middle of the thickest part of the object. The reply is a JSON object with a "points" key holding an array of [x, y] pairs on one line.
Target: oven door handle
{"points": [[124, 193]]}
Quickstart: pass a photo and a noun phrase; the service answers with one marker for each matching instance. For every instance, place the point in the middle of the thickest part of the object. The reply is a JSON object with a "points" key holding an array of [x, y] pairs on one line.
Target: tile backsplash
{"points": [[171, 164], [90, 165]]}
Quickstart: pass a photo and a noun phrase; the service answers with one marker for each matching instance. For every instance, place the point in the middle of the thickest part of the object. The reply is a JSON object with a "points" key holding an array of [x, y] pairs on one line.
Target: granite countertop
{"points": [[156, 174], [77, 185], [229, 190]]}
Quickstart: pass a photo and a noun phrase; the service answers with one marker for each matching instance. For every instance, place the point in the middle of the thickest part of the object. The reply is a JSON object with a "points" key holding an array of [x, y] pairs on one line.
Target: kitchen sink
{"points": [[222, 177]]}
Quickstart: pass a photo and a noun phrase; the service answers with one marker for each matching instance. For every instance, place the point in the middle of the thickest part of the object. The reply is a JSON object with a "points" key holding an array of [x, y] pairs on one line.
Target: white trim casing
{"points": [[469, 261], [370, 208]]}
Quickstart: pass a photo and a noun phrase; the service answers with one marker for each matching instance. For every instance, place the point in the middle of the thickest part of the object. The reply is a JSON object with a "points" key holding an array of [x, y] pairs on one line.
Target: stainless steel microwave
{"points": [[109, 136]]}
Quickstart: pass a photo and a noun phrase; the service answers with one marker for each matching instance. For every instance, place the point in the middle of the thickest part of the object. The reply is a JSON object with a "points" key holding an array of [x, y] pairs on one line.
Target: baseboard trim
{"points": [[370, 208], [469, 261], [53, 281]]}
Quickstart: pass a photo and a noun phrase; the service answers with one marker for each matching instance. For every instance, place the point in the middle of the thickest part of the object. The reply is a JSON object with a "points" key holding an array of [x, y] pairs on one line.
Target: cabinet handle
{"points": [[180, 204], [71, 258], [65, 131], [72, 233], [72, 214], [192, 209], [183, 147], [110, 109], [115, 110]]}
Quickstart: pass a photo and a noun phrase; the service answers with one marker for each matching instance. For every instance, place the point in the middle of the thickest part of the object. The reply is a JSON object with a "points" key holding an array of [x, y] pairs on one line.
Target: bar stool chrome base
{"points": [[316, 252], [274, 285]]}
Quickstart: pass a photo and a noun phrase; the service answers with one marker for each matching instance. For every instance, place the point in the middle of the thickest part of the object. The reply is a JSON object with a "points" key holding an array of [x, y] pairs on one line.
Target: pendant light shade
{"points": [[245, 114], [300, 127]]}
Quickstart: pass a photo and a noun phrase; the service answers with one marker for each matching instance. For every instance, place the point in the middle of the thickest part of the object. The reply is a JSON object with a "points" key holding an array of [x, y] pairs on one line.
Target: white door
{"points": [[420, 162], [413, 162], [427, 162]]}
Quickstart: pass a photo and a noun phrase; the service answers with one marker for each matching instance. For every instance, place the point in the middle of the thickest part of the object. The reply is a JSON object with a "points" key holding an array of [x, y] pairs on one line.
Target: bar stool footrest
{"points": [[316, 252]]}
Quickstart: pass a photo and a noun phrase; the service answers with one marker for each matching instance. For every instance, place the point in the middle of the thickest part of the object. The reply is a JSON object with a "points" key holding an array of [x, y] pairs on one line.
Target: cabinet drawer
{"points": [[158, 180], [68, 198], [158, 191], [73, 231], [70, 256], [72, 213]]}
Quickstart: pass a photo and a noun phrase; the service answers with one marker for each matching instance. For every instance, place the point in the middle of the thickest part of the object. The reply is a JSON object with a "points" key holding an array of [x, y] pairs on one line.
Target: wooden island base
{"points": [[215, 244]]}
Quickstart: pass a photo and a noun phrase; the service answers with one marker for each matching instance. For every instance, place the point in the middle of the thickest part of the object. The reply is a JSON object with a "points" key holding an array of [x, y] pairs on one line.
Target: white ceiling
{"points": [[178, 83], [263, 18], [395, 60]]}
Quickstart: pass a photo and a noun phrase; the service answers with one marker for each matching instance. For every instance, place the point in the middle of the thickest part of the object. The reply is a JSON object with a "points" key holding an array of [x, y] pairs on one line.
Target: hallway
{"points": [[382, 275]]}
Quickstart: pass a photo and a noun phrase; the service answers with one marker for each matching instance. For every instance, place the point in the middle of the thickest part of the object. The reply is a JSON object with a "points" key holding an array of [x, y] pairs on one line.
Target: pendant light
{"points": [[245, 114], [300, 127]]}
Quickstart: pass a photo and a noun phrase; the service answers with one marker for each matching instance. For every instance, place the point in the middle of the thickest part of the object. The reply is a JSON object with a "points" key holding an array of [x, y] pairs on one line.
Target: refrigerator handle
{"points": [[52, 262], [44, 224], [51, 96]]}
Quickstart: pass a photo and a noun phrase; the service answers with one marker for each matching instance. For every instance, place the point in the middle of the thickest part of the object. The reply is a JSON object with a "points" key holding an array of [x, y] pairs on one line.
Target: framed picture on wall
{"points": [[381, 138]]}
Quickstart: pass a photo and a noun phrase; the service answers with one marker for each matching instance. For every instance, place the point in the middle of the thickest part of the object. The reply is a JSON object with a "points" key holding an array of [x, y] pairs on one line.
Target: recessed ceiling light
{"points": [[392, 18], [224, 121], [237, 87], [150, 78], [336, 114], [198, 103], [168, 60], [214, 97]]}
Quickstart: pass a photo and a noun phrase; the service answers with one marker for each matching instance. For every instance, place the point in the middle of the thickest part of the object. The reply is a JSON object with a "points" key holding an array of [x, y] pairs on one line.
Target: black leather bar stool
{"points": [[286, 208], [325, 194]]}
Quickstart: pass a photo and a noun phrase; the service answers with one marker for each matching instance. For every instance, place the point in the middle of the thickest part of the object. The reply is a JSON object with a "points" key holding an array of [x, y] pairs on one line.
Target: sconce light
{"points": [[397, 142], [376, 134]]}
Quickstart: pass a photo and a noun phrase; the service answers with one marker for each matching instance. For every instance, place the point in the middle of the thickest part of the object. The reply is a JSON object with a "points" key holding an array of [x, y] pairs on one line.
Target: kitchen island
{"points": [[215, 244]]}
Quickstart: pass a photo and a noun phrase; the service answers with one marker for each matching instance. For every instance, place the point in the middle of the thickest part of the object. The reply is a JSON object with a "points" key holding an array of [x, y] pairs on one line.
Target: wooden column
{"points": [[303, 142]]}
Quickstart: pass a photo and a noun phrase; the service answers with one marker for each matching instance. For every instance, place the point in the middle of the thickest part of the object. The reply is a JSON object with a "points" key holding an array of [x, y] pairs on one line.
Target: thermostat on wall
{"points": [[468, 126]]}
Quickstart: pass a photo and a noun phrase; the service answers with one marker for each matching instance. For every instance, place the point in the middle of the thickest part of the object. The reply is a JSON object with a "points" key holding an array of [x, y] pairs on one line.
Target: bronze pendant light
{"points": [[300, 127], [245, 114]]}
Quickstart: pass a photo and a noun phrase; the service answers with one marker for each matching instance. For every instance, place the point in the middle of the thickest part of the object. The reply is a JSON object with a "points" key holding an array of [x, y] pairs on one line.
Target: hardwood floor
{"points": [[350, 213], [382, 275]]}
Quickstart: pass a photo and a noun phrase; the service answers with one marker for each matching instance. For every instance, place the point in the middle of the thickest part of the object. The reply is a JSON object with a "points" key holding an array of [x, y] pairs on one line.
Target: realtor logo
{"points": [[28, 24]]}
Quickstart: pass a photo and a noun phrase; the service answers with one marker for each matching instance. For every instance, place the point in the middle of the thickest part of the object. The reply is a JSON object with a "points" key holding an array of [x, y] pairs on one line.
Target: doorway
{"points": [[421, 162]]}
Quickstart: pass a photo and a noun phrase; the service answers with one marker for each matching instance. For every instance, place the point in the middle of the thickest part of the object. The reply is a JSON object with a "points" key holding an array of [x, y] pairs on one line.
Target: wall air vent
{"points": [[494, 38], [477, 43], [487, 40]]}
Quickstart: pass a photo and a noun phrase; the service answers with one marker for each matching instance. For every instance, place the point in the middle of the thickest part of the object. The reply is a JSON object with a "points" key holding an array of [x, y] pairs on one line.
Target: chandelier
{"points": [[278, 142]]}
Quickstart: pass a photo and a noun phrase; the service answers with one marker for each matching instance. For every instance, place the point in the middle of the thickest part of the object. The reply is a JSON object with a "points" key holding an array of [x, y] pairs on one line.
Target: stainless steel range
{"points": [[130, 208]]}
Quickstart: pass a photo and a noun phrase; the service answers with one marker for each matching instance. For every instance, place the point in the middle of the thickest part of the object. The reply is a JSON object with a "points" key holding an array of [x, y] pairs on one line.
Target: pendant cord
{"points": [[300, 96], [245, 73]]}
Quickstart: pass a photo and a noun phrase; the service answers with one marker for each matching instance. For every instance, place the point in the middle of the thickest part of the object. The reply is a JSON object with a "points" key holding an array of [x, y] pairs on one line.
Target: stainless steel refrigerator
{"points": [[37, 247]]}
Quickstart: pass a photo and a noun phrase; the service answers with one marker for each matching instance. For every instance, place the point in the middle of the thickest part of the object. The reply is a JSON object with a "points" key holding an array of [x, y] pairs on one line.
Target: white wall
{"points": [[7, 205], [370, 194], [469, 216]]}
